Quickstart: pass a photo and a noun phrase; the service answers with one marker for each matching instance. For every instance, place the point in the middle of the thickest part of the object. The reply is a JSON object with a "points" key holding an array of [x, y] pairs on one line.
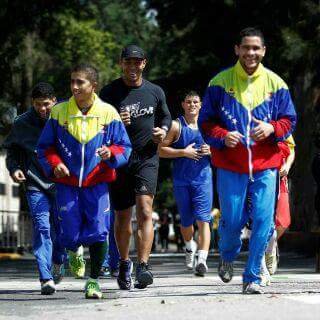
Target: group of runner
{"points": [[95, 154]]}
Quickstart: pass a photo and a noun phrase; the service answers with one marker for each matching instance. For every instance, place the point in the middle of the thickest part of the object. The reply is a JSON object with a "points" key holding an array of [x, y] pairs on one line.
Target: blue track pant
{"points": [[47, 245], [112, 255], [234, 190]]}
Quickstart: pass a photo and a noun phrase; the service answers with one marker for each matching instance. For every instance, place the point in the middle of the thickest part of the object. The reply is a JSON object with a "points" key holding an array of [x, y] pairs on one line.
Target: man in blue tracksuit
{"points": [[24, 167], [82, 143], [246, 111]]}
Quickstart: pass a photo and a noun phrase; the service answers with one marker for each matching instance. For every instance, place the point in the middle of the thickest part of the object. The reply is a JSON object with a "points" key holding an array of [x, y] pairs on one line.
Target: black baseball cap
{"points": [[132, 51]]}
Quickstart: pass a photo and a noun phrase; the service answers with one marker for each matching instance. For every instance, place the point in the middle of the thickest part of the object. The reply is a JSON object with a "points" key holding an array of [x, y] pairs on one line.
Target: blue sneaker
{"points": [[104, 273], [144, 276], [124, 278]]}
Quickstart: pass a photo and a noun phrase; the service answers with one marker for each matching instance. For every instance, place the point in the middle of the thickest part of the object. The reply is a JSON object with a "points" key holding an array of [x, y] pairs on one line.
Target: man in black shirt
{"points": [[143, 110]]}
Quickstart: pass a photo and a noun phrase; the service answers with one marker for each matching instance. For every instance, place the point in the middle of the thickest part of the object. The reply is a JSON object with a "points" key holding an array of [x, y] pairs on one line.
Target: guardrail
{"points": [[15, 231]]}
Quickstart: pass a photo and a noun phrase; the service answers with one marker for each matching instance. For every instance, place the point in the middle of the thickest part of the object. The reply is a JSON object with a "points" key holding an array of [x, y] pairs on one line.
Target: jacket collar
{"points": [[241, 72], [75, 111]]}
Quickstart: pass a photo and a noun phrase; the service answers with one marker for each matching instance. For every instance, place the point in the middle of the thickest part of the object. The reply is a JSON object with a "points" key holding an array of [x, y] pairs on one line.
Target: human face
{"points": [[43, 106], [191, 106], [250, 52], [82, 88], [132, 69]]}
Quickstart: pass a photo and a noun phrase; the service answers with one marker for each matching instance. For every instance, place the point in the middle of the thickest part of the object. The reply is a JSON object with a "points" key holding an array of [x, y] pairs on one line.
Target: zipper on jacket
{"points": [[83, 137], [250, 98]]}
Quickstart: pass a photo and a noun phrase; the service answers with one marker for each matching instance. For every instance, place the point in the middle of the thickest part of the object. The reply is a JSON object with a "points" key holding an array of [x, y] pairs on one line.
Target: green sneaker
{"points": [[77, 264], [92, 289]]}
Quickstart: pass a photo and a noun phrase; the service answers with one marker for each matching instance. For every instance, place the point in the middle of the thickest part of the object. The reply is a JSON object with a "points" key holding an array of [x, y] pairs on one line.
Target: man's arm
{"points": [[13, 158], [212, 131], [48, 156], [165, 151], [163, 119]]}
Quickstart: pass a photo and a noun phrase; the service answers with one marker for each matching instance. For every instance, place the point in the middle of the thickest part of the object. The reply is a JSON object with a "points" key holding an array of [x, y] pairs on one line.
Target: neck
{"points": [[249, 71], [134, 83], [85, 103], [191, 119]]}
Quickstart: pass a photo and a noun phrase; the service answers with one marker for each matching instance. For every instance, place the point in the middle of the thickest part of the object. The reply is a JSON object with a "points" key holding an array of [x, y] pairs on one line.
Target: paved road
{"points": [[176, 294]]}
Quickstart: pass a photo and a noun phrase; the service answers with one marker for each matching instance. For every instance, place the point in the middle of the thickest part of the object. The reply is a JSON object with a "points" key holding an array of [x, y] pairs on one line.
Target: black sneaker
{"points": [[144, 277], [124, 278], [225, 270]]}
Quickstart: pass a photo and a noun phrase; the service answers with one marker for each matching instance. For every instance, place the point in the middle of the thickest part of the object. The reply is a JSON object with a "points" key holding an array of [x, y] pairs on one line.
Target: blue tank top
{"points": [[187, 171]]}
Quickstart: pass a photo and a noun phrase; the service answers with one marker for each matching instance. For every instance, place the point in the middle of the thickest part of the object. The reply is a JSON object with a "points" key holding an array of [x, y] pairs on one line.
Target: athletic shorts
{"points": [[139, 177], [194, 203], [84, 214], [283, 218]]}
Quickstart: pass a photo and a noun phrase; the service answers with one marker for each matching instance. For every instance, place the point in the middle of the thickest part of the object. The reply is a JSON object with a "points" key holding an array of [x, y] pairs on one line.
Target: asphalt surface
{"points": [[175, 294]]}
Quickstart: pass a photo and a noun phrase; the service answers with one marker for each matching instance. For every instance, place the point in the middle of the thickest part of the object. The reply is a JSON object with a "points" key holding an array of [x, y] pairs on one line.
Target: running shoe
{"points": [[201, 269], [77, 264], [58, 272], [225, 271], [104, 272], [92, 289], [124, 278], [144, 276], [251, 288], [47, 287]]}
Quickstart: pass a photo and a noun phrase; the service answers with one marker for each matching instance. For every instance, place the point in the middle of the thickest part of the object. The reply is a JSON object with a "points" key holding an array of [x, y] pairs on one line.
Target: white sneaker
{"points": [[264, 274], [48, 287], [190, 256], [251, 288], [272, 261]]}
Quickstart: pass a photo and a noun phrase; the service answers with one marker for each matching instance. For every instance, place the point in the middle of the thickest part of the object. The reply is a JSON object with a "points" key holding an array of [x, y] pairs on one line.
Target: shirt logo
{"points": [[136, 110]]}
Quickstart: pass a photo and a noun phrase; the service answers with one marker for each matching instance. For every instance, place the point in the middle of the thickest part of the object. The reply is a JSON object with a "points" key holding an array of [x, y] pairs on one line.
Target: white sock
{"points": [[264, 269], [272, 243], [189, 245], [202, 256]]}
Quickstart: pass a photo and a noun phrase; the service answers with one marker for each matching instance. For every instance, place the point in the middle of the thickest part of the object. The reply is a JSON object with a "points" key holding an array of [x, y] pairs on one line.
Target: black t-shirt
{"points": [[148, 109]]}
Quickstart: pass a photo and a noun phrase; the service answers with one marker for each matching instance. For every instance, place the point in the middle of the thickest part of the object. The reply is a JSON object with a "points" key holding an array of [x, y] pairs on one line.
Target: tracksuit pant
{"points": [[234, 189], [112, 256], [46, 242]]}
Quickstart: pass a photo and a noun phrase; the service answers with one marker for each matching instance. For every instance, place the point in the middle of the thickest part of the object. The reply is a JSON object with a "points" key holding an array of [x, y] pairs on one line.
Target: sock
{"points": [[202, 256], [263, 268], [189, 245], [79, 251], [272, 243], [97, 254]]}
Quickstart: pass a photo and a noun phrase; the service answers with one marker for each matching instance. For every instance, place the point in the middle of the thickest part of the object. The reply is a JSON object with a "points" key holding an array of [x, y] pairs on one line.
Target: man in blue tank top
{"points": [[192, 179]]}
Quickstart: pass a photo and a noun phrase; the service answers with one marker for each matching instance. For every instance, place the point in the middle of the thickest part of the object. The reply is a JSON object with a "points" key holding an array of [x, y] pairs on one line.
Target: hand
{"points": [[262, 131], [104, 152], [205, 150], [125, 117], [61, 171], [192, 153], [158, 135], [232, 139], [284, 170], [18, 176]]}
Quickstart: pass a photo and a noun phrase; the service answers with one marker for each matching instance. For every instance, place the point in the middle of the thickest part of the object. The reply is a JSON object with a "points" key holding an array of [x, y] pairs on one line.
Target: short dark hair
{"points": [[90, 71], [250, 32], [190, 93], [43, 90]]}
